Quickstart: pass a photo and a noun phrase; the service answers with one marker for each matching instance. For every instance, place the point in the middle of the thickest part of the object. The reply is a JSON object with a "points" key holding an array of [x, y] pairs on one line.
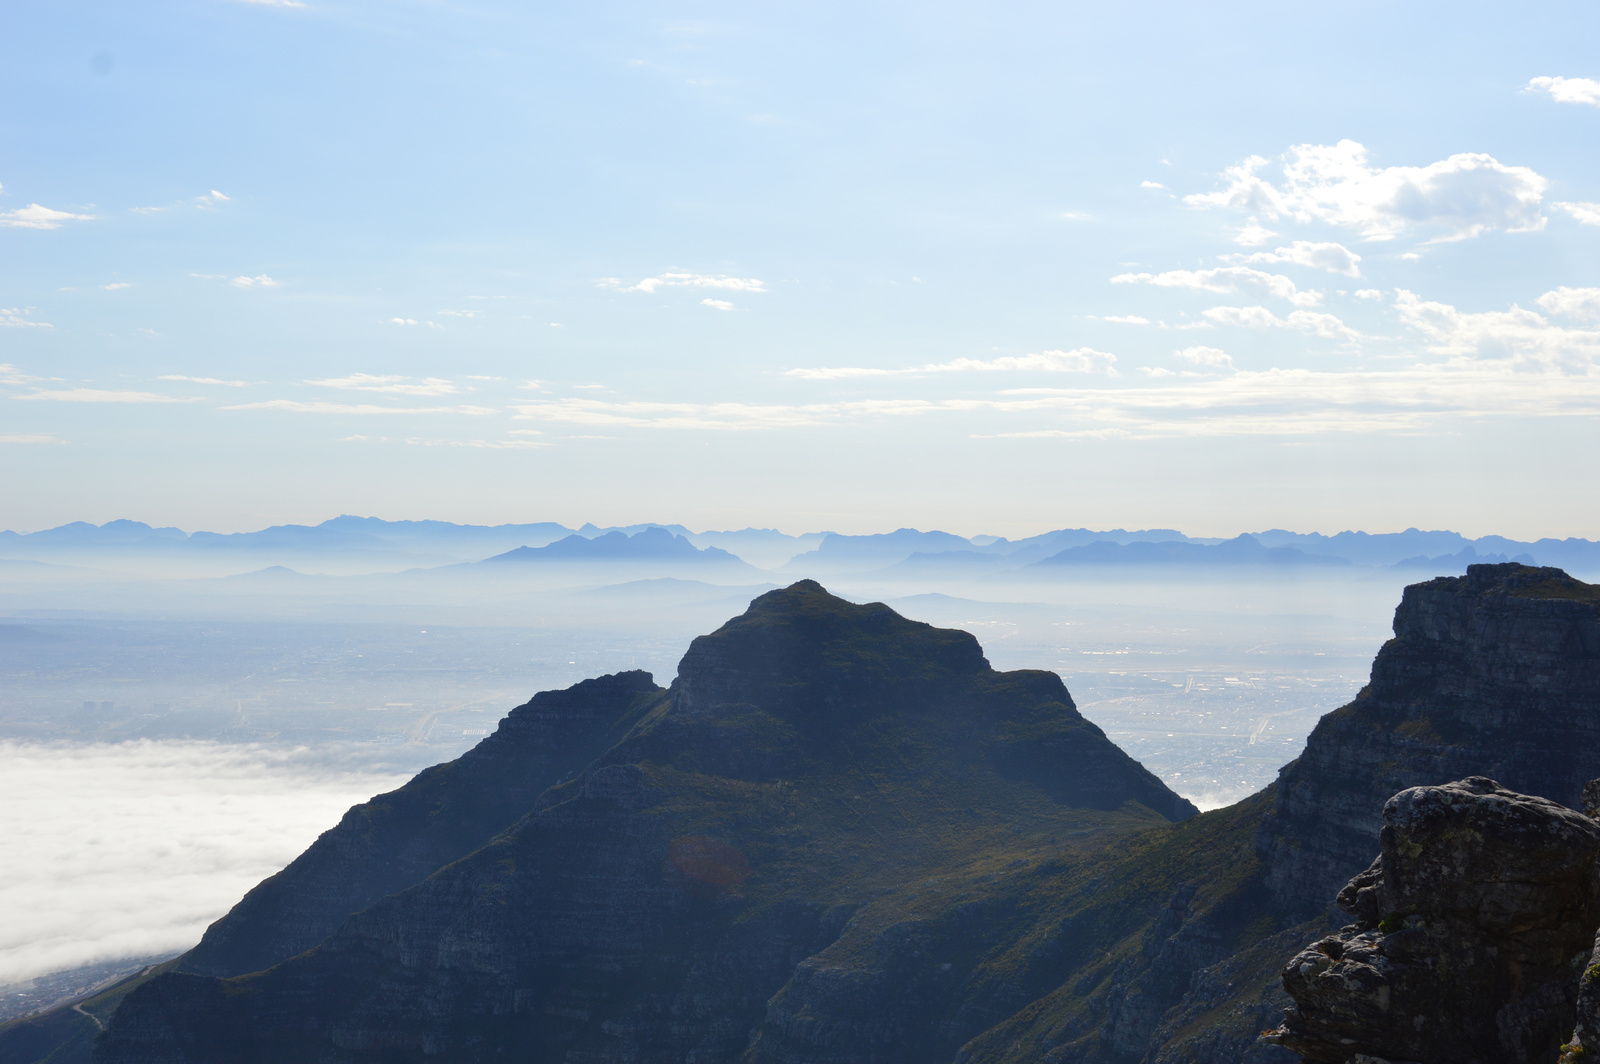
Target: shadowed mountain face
{"points": [[442, 814], [815, 763]]}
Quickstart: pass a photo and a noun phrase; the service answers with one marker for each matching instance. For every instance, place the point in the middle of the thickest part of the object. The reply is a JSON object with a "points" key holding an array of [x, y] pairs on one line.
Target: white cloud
{"points": [[130, 850], [1586, 213], [459, 313], [402, 321], [1368, 293], [1521, 339], [17, 437], [259, 281], [10, 374], [1123, 319], [1157, 371], [1078, 360], [1151, 184], [117, 286], [1227, 279], [17, 318], [718, 304], [1452, 199], [367, 382], [96, 395], [205, 202], [203, 380], [301, 407], [1211, 357], [688, 280], [1253, 236], [1568, 90], [1307, 321], [1581, 303], [34, 216], [1335, 258]]}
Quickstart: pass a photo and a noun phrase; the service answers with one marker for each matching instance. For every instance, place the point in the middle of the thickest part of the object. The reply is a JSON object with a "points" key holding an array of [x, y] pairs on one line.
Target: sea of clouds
{"points": [[131, 849]]}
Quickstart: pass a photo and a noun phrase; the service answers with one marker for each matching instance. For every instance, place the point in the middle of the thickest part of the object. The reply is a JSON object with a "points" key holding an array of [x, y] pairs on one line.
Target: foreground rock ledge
{"points": [[1472, 930]]}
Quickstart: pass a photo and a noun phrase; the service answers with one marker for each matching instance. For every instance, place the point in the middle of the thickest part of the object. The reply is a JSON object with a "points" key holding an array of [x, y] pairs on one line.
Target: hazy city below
{"points": [[171, 734]]}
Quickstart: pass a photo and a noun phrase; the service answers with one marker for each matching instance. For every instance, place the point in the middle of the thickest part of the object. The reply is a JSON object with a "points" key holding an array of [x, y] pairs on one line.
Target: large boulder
{"points": [[1468, 929]]}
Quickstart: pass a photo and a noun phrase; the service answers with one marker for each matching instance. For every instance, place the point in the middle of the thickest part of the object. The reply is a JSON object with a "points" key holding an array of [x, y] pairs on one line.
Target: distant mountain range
{"points": [[368, 544]]}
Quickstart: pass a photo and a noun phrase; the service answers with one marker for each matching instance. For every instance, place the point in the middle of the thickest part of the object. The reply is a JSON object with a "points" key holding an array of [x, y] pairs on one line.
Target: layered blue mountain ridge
{"points": [[403, 544]]}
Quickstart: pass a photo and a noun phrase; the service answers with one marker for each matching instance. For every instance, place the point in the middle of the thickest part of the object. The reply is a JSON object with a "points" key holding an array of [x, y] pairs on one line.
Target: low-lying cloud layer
{"points": [[131, 849]]}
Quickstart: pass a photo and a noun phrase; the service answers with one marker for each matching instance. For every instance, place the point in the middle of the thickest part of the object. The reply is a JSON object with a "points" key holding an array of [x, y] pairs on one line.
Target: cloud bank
{"points": [[367, 382], [131, 849]]}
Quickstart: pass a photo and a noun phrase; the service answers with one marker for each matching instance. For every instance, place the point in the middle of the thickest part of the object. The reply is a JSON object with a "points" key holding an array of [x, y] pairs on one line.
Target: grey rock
{"points": [[1467, 930]]}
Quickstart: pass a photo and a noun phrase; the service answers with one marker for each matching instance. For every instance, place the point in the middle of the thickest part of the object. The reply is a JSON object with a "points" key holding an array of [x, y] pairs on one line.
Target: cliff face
{"points": [[1496, 674], [819, 772]]}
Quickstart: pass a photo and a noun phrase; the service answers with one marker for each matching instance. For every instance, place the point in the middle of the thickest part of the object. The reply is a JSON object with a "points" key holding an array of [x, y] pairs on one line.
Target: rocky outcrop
{"points": [[1496, 673], [1468, 928]]}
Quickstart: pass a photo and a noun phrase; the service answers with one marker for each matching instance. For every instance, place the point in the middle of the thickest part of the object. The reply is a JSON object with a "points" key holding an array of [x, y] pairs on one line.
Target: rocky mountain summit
{"points": [[841, 837], [741, 859]]}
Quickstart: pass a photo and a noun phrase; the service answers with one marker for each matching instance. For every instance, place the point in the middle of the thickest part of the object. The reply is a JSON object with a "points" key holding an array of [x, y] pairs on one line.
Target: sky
{"points": [[994, 268]]}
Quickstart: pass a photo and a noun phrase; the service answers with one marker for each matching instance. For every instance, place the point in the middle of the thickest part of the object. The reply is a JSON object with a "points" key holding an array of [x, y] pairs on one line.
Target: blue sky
{"points": [[993, 268]]}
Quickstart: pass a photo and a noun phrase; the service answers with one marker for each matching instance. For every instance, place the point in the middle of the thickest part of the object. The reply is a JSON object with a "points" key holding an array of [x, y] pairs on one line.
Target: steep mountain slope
{"points": [[813, 756], [442, 814]]}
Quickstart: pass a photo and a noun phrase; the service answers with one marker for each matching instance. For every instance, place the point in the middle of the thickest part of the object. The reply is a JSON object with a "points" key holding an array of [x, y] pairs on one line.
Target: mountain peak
{"points": [[801, 650]]}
